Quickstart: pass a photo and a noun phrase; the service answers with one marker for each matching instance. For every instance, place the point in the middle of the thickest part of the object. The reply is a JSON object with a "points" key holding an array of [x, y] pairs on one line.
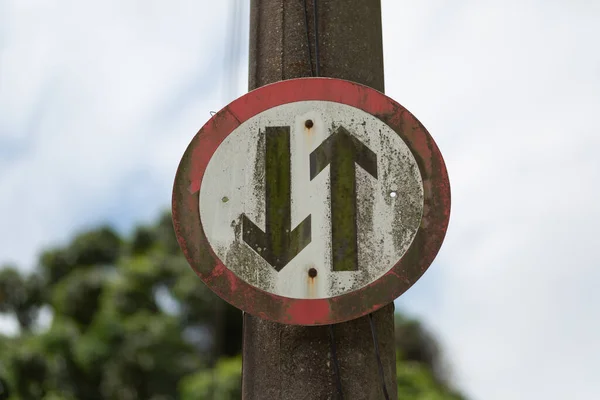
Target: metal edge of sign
{"points": [[227, 285]]}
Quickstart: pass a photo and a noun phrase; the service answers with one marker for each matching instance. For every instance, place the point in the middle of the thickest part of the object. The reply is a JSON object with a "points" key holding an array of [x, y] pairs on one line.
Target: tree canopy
{"points": [[129, 320]]}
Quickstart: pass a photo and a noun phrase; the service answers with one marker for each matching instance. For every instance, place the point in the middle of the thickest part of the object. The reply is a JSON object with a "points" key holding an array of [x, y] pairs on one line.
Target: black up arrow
{"points": [[279, 244], [341, 151]]}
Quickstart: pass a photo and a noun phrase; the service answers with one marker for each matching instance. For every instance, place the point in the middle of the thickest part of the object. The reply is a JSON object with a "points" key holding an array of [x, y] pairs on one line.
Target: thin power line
{"points": [[232, 51], [336, 367], [379, 363], [315, 72], [316, 27], [312, 71]]}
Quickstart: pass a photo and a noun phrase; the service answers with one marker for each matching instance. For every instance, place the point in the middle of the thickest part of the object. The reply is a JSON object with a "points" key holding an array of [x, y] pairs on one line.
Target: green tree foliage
{"points": [[130, 320], [219, 383], [22, 296]]}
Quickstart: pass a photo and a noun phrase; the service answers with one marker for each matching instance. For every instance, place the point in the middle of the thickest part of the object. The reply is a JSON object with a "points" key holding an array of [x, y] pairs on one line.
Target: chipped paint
{"points": [[385, 227], [398, 236]]}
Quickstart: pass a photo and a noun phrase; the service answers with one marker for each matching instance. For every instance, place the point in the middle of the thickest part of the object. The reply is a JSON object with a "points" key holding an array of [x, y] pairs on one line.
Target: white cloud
{"points": [[98, 100], [509, 91]]}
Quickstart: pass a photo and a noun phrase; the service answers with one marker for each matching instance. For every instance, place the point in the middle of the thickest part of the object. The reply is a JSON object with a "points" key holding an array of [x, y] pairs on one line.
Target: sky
{"points": [[99, 99]]}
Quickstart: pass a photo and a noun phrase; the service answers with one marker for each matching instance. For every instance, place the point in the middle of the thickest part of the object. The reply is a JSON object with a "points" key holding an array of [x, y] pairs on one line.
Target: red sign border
{"points": [[227, 285]]}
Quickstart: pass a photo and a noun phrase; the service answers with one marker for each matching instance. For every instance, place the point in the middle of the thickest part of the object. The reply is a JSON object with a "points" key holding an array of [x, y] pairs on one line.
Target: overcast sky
{"points": [[98, 100]]}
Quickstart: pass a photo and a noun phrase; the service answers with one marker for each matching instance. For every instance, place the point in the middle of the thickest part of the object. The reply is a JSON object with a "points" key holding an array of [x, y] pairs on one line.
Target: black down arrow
{"points": [[279, 244]]}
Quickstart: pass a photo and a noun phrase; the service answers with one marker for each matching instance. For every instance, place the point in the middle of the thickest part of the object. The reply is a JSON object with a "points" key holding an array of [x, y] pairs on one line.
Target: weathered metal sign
{"points": [[311, 201]]}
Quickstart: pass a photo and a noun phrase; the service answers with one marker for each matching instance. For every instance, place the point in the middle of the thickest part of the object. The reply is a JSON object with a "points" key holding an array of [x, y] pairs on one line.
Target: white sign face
{"points": [[311, 199]]}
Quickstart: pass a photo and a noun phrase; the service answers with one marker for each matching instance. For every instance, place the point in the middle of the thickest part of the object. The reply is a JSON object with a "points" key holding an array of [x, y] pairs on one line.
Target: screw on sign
{"points": [[311, 201]]}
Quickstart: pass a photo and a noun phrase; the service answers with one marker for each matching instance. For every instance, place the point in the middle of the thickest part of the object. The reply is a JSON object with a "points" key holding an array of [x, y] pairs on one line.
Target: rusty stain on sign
{"points": [[313, 201]]}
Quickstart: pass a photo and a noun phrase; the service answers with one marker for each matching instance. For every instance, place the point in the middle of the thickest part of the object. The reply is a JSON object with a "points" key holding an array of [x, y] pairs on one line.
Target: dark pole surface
{"points": [[295, 362]]}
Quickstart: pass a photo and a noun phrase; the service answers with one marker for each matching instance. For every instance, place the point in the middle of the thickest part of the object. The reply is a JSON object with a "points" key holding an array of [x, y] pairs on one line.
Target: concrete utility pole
{"points": [[295, 362]]}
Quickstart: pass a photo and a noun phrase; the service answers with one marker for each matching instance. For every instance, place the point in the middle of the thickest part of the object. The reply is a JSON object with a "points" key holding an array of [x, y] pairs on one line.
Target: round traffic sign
{"points": [[311, 201]]}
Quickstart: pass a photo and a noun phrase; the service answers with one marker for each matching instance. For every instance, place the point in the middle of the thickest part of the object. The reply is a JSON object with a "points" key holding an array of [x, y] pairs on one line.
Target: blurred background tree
{"points": [[129, 320]]}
